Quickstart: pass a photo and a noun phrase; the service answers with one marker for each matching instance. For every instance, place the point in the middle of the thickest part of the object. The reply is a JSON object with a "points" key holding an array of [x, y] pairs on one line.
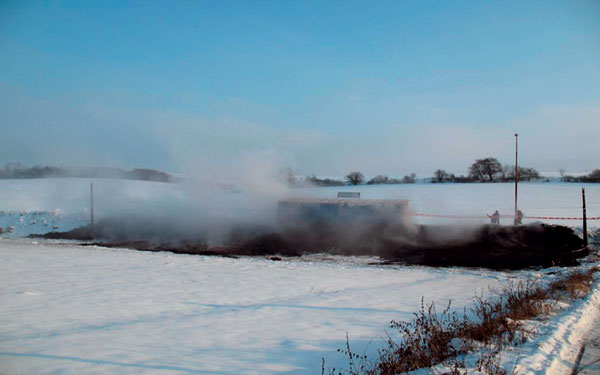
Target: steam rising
{"points": [[234, 211], [208, 205]]}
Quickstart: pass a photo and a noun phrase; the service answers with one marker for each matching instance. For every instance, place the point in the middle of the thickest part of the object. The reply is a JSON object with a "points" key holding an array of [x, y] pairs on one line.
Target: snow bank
{"points": [[555, 351]]}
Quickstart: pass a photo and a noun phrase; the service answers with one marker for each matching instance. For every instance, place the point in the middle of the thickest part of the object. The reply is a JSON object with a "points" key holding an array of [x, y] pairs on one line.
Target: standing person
{"points": [[495, 217], [519, 217]]}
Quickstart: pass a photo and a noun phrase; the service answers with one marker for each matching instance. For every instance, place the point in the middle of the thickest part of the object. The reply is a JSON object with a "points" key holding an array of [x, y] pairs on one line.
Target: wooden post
{"points": [[92, 203], [516, 221], [585, 236]]}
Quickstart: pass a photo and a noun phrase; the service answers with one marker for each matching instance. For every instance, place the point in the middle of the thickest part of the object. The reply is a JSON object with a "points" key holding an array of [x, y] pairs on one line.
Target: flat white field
{"points": [[67, 309]]}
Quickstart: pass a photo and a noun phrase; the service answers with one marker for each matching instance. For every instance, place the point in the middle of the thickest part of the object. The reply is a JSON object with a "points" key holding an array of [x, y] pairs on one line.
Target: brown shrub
{"points": [[431, 338]]}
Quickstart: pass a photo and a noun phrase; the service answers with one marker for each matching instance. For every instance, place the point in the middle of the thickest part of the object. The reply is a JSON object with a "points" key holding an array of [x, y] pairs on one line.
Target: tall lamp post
{"points": [[516, 221], [92, 204]]}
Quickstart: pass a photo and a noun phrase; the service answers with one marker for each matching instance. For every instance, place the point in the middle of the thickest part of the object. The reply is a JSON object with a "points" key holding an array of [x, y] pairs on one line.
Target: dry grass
{"points": [[432, 339], [575, 285], [428, 340]]}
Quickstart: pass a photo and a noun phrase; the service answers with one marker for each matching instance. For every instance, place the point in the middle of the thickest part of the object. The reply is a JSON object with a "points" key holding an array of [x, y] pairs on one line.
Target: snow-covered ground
{"points": [[589, 355], [24, 223], [555, 348], [68, 309], [72, 195], [60, 204]]}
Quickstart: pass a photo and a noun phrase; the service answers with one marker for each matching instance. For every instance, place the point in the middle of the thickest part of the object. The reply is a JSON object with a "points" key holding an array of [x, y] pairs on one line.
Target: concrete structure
{"points": [[339, 212]]}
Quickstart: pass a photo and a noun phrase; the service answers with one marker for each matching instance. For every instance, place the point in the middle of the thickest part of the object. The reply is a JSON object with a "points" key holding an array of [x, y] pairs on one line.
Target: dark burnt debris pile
{"points": [[350, 227]]}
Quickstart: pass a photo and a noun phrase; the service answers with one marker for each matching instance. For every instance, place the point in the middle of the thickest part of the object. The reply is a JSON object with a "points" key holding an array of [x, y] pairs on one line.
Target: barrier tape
{"points": [[504, 217], [559, 218]]}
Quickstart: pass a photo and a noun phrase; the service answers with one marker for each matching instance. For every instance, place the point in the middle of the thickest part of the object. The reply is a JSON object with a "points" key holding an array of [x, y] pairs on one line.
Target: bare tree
{"points": [[379, 179], [355, 178], [524, 174], [485, 169], [409, 179], [528, 174], [441, 175]]}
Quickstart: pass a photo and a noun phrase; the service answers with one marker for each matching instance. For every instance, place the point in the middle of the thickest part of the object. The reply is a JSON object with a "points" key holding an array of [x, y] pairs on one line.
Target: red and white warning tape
{"points": [[559, 218], [503, 216]]}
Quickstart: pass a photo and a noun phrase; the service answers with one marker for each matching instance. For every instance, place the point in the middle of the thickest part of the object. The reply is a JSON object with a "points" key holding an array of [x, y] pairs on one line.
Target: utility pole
{"points": [[92, 203], [585, 238], [516, 222]]}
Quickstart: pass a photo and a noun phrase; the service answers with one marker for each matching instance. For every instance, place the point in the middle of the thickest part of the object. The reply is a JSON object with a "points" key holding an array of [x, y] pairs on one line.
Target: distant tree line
{"points": [[357, 178], [313, 180], [352, 178], [593, 176], [17, 171], [383, 179], [488, 170]]}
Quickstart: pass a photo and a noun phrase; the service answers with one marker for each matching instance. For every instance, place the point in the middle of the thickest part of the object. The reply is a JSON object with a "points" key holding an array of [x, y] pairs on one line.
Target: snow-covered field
{"points": [[69, 309], [60, 204], [23, 223]]}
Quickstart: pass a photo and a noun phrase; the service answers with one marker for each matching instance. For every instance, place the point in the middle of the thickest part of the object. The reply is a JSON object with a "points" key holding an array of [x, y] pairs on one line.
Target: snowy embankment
{"points": [[555, 351], [71, 310]]}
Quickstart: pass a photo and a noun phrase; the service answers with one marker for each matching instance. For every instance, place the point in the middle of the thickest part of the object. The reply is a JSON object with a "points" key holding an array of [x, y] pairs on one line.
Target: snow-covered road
{"points": [[67, 309]]}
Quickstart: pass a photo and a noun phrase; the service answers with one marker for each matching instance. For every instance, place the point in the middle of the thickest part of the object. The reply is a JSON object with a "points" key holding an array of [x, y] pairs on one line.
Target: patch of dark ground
{"points": [[489, 246]]}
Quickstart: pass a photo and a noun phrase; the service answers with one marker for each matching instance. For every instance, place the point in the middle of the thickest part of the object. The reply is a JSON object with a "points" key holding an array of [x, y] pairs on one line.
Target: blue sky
{"points": [[323, 87]]}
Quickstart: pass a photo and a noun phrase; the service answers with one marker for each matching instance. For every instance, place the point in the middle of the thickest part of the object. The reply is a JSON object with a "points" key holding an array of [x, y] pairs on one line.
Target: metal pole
{"points": [[585, 237], [516, 221], [92, 203]]}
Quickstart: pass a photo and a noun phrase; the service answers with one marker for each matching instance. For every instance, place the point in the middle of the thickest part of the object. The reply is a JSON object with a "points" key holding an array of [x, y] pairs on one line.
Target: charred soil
{"points": [[490, 246]]}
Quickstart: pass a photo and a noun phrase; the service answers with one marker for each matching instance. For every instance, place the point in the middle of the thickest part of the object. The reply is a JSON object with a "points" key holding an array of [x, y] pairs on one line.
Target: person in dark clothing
{"points": [[495, 217], [519, 217]]}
